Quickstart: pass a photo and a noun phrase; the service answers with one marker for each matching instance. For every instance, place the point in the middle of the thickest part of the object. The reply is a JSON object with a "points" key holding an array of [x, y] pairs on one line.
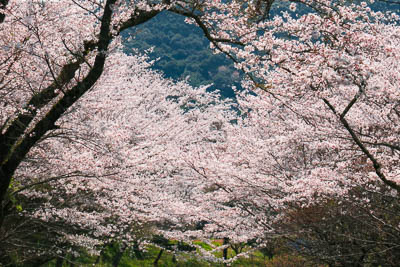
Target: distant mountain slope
{"points": [[182, 50]]}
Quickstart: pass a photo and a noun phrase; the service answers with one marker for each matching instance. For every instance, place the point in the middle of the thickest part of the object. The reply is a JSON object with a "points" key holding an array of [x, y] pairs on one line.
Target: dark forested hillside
{"points": [[182, 51]]}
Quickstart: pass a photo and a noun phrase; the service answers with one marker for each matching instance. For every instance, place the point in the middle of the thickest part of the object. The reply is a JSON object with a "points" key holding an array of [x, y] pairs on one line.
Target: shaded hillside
{"points": [[182, 51]]}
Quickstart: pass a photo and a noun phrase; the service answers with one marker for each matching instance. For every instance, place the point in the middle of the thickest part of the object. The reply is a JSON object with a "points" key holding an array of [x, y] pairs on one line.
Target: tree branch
{"points": [[359, 143]]}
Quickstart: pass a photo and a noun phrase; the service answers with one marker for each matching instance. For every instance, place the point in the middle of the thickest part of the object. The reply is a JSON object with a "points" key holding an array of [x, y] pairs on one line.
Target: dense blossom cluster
{"points": [[114, 162]]}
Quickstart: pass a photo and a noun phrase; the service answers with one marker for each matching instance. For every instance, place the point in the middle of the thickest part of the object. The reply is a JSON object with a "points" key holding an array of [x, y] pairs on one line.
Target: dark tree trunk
{"points": [[72, 262], [59, 262], [138, 253], [158, 257], [118, 256], [225, 251]]}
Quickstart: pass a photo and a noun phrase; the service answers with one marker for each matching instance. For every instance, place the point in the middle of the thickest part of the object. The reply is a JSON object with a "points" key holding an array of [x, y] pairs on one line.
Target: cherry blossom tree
{"points": [[319, 124], [53, 53], [113, 165]]}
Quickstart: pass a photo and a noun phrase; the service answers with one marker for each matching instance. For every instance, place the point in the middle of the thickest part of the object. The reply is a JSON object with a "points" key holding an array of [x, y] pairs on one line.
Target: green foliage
{"points": [[288, 261], [16, 203]]}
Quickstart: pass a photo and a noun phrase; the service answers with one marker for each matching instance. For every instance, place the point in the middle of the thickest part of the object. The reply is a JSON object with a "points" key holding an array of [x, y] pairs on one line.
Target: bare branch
{"points": [[376, 164]]}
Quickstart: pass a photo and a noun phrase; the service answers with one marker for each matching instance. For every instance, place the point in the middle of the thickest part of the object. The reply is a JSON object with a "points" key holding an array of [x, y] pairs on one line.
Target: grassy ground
{"points": [[167, 259]]}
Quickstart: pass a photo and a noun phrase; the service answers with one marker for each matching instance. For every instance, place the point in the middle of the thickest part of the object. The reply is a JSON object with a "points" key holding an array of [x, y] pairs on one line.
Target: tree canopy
{"points": [[96, 148]]}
